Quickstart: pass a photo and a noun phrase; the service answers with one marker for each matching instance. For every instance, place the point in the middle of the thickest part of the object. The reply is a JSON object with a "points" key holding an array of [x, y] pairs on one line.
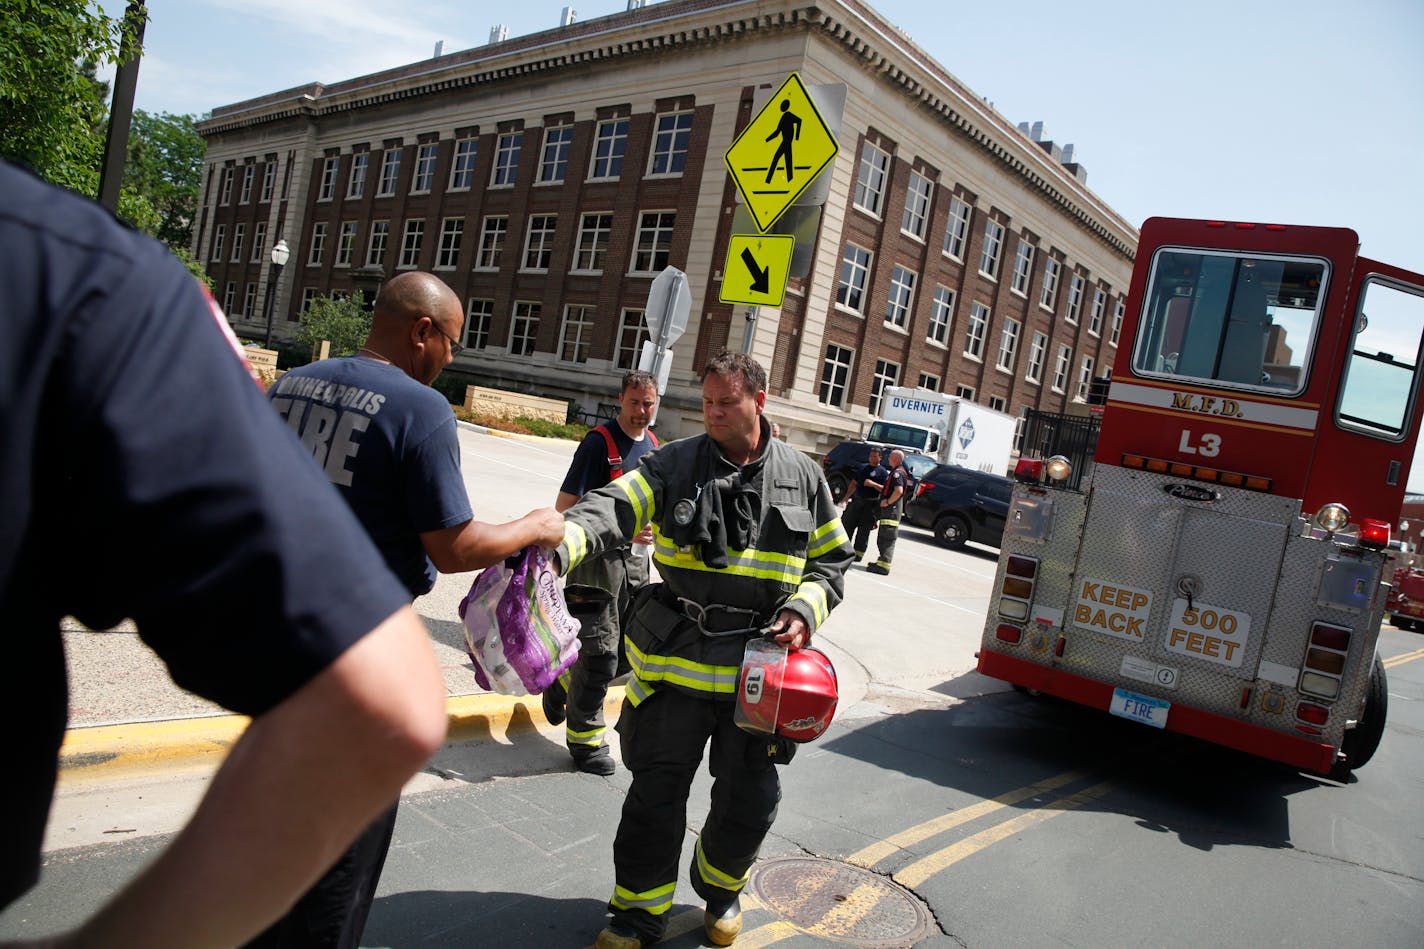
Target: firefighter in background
{"points": [[601, 589], [892, 499], [863, 509], [748, 542]]}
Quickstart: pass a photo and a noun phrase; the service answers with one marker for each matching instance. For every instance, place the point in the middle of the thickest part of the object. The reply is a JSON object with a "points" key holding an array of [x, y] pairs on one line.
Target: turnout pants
{"points": [[887, 532], [586, 682], [662, 742]]}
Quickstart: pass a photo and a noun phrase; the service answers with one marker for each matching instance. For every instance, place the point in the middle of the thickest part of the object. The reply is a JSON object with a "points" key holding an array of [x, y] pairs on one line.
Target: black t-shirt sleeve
{"points": [[201, 515], [589, 468]]}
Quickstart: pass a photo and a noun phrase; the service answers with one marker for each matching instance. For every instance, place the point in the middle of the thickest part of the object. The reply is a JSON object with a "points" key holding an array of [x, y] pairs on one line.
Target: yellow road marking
{"points": [[878, 851], [921, 870], [1403, 657]]}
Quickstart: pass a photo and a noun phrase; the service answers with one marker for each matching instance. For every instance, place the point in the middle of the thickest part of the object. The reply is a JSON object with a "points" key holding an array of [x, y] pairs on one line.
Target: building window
{"points": [[835, 376], [886, 374], [410, 244], [554, 163], [1023, 263], [917, 206], [506, 159], [259, 240], [229, 297], [390, 172], [318, 245], [632, 333], [356, 185], [956, 235], [269, 180], [594, 230], [376, 251], [1048, 295], [993, 245], [424, 168], [902, 297], [539, 242], [670, 143], [870, 179], [328, 179], [452, 233], [309, 295], [478, 317], [219, 233], [996, 403], [225, 188], [525, 328], [577, 334], [654, 241], [1008, 345], [1085, 378], [239, 231], [1095, 318], [249, 175], [1060, 368], [1116, 324], [249, 301], [928, 381], [346, 244], [855, 274], [964, 392], [1036, 351], [462, 169], [941, 315], [1075, 299], [609, 144], [492, 243], [975, 332]]}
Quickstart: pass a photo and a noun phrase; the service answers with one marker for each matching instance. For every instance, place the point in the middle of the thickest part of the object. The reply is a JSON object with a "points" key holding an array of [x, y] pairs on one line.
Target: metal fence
{"points": [[1054, 433]]}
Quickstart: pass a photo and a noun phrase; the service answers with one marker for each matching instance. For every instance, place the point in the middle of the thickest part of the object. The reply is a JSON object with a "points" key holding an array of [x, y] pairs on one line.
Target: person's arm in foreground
{"points": [[296, 789]]}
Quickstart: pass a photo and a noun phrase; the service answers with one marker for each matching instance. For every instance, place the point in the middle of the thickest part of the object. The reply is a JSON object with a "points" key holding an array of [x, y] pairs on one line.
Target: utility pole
{"points": [[116, 145]]}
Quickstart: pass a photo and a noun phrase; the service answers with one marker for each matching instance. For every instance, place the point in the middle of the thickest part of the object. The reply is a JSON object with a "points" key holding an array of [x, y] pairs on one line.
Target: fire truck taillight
{"points": [[1332, 517], [1312, 714], [1029, 470], [1008, 633], [1374, 534], [1058, 468], [1016, 592], [1325, 661]]}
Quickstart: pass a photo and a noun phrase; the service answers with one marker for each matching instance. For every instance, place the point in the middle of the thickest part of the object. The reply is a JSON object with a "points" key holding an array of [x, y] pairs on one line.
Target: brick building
{"points": [[549, 178]]}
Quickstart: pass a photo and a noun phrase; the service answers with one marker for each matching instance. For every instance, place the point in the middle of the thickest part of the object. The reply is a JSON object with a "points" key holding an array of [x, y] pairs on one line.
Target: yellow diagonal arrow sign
{"points": [[757, 265]]}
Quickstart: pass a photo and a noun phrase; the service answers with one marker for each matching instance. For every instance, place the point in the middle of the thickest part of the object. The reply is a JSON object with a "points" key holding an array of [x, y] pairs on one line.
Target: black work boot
{"points": [[618, 936], [723, 919]]}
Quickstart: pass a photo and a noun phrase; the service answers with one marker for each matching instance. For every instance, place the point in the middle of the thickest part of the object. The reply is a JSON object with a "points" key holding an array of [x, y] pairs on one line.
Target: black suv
{"points": [[841, 463], [961, 504]]}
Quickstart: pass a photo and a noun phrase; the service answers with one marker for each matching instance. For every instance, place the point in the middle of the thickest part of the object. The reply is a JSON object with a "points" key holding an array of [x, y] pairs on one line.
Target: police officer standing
{"points": [[892, 498], [748, 542], [864, 507]]}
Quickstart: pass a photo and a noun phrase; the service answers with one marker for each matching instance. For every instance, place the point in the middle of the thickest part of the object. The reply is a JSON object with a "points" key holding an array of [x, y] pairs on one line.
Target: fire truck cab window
{"points": [[1239, 321], [1382, 371]]}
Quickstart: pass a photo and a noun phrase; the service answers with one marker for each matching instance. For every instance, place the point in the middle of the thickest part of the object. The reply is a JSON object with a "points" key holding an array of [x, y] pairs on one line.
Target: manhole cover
{"points": [[840, 902]]}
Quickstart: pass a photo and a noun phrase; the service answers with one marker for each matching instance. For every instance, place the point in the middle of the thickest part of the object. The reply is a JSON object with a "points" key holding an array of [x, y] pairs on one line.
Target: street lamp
{"points": [[280, 253]]}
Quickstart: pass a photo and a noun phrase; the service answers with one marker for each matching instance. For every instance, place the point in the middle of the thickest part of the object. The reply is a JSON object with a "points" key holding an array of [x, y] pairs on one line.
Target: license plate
{"points": [[1140, 708]]}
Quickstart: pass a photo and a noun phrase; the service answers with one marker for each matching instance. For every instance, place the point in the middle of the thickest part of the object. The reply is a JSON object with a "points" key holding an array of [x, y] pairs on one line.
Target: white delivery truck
{"points": [[952, 430]]}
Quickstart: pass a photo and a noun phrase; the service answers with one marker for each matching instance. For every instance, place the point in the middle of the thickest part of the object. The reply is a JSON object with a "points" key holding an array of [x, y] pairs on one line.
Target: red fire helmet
{"points": [[799, 689]]}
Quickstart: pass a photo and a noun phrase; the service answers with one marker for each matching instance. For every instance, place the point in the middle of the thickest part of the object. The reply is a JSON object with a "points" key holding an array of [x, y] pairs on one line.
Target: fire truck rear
{"points": [[1218, 567]]}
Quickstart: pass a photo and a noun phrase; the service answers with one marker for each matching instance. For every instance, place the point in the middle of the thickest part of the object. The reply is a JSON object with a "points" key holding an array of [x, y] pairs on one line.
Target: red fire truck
{"points": [[1217, 567]]}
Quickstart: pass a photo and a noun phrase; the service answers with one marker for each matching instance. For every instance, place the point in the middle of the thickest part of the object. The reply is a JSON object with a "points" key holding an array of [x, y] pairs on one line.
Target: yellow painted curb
{"points": [[112, 750]]}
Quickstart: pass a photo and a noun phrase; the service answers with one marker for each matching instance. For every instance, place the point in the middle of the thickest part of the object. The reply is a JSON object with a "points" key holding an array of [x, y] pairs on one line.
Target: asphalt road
{"points": [[942, 809]]}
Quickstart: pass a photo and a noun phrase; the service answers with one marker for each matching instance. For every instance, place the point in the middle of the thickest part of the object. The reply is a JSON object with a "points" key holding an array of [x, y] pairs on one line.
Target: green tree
{"points": [[51, 106], [344, 321], [165, 166], [195, 266]]}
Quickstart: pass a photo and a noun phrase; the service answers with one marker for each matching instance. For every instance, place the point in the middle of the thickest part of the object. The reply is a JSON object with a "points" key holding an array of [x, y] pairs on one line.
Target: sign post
{"points": [[669, 304]]}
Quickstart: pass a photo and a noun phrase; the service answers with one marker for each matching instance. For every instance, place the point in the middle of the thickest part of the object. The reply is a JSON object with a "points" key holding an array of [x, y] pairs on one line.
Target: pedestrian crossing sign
{"points": [[780, 152]]}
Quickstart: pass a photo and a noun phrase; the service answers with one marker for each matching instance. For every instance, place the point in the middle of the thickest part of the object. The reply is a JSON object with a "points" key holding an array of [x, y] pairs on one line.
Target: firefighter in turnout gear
{"points": [[748, 542], [892, 500]]}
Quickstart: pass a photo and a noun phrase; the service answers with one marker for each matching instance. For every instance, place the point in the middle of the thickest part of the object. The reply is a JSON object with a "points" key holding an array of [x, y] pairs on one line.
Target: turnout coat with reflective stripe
{"points": [[796, 561]]}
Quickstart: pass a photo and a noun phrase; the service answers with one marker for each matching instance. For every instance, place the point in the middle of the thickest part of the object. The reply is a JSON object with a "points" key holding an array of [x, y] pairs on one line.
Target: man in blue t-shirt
{"points": [[139, 450], [389, 443], [608, 582]]}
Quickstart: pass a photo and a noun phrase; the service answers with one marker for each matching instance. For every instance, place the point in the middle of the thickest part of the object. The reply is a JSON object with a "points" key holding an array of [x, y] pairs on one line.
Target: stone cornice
{"points": [[877, 46]]}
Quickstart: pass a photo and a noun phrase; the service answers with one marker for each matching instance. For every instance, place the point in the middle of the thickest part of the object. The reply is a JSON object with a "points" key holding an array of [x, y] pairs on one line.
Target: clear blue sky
{"points": [[1289, 111]]}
